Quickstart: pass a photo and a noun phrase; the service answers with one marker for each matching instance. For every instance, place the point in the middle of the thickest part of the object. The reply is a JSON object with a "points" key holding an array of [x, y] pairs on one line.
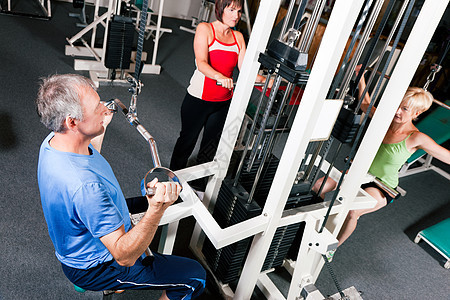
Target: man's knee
{"points": [[198, 278]]}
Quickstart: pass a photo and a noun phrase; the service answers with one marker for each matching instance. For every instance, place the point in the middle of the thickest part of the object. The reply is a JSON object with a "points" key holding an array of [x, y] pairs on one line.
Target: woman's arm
{"points": [[422, 141], [361, 87]]}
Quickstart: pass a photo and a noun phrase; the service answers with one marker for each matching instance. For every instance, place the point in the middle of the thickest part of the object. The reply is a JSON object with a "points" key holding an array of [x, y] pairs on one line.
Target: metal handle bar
{"points": [[114, 105], [234, 83]]}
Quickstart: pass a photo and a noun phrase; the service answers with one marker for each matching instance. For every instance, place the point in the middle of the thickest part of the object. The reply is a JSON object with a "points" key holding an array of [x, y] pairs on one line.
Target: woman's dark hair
{"points": [[221, 4]]}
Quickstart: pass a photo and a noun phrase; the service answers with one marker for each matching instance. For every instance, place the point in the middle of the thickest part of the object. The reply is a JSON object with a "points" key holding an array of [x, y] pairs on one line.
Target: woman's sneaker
{"points": [[329, 255]]}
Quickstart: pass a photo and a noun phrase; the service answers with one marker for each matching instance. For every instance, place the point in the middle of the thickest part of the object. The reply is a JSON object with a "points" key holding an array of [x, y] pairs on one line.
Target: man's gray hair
{"points": [[58, 97]]}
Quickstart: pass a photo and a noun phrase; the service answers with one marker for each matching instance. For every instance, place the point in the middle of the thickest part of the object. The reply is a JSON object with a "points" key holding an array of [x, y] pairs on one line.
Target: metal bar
{"points": [[264, 120], [441, 104], [344, 66], [330, 168], [87, 28], [272, 134], [247, 17], [286, 19], [374, 41], [252, 130], [158, 30], [311, 27], [386, 45], [362, 44], [311, 162]]}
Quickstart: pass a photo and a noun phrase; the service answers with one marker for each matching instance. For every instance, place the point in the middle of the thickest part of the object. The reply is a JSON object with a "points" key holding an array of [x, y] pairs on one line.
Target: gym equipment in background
{"points": [[119, 14], [44, 6], [437, 126], [204, 15], [438, 237]]}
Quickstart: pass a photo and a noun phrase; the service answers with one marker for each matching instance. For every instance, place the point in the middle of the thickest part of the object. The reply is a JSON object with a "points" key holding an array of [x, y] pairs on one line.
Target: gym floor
{"points": [[380, 259]]}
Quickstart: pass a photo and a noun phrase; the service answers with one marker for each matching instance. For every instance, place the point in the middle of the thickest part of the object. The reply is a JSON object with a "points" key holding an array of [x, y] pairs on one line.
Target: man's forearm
{"points": [[130, 246]]}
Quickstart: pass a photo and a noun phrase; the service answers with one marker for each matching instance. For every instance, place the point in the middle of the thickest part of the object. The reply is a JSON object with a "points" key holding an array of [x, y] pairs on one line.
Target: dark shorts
{"points": [[389, 198], [182, 278]]}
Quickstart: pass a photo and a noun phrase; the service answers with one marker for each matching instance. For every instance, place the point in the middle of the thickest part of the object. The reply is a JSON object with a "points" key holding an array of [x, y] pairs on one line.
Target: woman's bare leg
{"points": [[352, 218], [329, 186]]}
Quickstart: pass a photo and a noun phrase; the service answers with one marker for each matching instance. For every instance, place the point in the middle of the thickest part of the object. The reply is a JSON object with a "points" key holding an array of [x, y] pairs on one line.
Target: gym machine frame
{"points": [[96, 68], [314, 243], [45, 5]]}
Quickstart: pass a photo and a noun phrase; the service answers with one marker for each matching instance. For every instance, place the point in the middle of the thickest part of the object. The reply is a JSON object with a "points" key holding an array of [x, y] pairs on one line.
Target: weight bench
{"points": [[437, 126], [438, 237]]}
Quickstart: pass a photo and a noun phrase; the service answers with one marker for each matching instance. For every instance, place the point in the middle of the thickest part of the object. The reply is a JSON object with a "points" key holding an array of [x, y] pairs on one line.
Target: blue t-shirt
{"points": [[82, 201]]}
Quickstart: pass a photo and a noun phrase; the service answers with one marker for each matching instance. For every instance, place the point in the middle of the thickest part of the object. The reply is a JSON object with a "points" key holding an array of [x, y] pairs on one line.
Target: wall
{"points": [[180, 9]]}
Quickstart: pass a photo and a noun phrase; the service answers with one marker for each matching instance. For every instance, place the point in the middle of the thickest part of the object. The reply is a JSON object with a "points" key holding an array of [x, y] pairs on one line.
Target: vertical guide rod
{"points": [[386, 44], [252, 129], [269, 143], [340, 24]]}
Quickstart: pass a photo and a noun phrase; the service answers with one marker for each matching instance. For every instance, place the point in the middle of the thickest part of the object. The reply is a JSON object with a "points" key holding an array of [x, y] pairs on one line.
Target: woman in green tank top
{"points": [[401, 140]]}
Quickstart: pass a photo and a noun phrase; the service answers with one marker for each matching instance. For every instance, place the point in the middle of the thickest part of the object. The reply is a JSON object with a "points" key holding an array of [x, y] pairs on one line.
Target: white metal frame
{"points": [[308, 265], [426, 166], [45, 6], [419, 237], [97, 70]]}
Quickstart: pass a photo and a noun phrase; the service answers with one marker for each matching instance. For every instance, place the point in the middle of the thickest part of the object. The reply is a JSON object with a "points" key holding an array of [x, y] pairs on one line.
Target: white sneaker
{"points": [[330, 255]]}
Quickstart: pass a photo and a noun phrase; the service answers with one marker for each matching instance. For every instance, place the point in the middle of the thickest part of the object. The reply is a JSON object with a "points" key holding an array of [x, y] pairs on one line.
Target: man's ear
{"points": [[70, 123]]}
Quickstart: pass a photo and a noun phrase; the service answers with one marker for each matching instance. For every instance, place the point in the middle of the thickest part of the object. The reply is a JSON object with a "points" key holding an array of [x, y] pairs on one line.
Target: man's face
{"points": [[94, 113]]}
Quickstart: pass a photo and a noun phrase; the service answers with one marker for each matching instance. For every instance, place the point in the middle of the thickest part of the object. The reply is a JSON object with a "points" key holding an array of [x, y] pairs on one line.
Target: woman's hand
{"points": [[223, 81], [262, 79], [357, 69]]}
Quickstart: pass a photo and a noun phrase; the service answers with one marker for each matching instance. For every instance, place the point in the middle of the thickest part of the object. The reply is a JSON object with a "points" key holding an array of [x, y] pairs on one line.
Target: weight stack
{"points": [[78, 3], [231, 208], [301, 195], [284, 237], [282, 240], [120, 43], [295, 246], [346, 126], [265, 180]]}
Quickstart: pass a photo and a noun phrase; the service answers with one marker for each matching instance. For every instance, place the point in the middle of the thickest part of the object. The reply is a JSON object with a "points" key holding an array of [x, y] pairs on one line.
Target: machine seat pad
{"points": [[439, 236]]}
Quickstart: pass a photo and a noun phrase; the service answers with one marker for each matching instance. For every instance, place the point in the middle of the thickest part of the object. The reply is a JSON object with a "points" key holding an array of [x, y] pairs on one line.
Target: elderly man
{"points": [[85, 209]]}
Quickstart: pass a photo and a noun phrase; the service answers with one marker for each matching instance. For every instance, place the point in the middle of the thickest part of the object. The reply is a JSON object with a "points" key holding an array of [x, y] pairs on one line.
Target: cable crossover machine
{"points": [[259, 211]]}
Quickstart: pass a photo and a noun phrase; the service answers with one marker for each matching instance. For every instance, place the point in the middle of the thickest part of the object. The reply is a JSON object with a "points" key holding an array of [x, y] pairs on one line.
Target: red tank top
{"points": [[223, 58]]}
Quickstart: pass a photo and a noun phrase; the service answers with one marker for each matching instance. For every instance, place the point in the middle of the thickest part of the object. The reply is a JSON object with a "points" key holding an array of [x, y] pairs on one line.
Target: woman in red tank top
{"points": [[218, 50]]}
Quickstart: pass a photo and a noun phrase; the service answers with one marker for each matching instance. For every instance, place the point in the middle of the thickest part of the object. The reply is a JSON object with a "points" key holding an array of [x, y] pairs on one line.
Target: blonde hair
{"points": [[417, 99]]}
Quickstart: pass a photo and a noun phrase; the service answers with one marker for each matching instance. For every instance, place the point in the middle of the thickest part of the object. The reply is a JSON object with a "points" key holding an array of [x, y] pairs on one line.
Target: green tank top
{"points": [[388, 161]]}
